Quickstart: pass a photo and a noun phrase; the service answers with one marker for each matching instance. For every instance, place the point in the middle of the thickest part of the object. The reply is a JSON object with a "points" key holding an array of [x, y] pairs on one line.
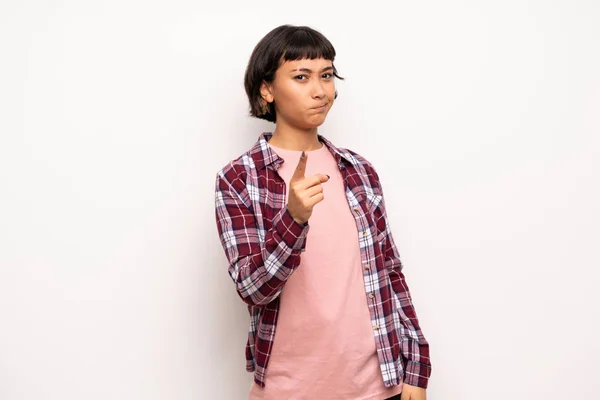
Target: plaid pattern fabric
{"points": [[263, 245]]}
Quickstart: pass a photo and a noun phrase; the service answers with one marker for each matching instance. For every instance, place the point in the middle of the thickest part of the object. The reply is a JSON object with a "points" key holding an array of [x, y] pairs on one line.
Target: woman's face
{"points": [[299, 88]]}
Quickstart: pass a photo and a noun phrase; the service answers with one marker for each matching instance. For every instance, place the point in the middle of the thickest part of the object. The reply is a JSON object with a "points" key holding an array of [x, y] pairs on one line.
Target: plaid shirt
{"points": [[263, 245]]}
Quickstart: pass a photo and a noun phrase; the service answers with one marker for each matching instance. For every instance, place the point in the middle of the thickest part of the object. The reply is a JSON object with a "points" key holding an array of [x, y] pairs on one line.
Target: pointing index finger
{"points": [[301, 167]]}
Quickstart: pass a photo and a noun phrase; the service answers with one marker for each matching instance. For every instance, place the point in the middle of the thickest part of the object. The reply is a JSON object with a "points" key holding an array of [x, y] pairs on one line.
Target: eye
{"points": [[329, 75], [299, 76]]}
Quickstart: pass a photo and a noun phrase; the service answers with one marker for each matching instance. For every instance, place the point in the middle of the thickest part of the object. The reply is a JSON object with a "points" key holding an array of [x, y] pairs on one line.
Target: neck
{"points": [[290, 138]]}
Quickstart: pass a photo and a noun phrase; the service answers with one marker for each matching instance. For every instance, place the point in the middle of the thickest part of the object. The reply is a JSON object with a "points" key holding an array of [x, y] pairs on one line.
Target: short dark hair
{"points": [[284, 43]]}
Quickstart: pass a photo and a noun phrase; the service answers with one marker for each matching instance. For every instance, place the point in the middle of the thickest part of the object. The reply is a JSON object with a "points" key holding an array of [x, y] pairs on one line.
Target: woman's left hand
{"points": [[412, 393]]}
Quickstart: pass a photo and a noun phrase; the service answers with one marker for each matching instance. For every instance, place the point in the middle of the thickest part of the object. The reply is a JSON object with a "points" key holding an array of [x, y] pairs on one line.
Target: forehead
{"points": [[315, 65]]}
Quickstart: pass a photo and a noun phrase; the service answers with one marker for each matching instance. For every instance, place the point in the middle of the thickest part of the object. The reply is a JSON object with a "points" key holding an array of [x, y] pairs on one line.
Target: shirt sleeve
{"points": [[258, 267], [414, 346]]}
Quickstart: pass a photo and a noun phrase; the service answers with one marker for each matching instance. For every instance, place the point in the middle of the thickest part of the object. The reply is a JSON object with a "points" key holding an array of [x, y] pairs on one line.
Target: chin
{"points": [[315, 123]]}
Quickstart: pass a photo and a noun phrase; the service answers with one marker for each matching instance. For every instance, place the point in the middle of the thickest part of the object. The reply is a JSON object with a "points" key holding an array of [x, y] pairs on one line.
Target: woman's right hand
{"points": [[304, 192]]}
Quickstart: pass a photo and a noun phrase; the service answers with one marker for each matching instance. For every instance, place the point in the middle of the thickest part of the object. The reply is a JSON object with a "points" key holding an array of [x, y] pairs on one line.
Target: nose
{"points": [[318, 90]]}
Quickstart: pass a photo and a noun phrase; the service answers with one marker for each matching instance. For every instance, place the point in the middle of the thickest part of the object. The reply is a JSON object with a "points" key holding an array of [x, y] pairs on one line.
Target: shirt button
{"points": [[365, 233], [371, 295], [367, 267], [356, 209], [376, 327]]}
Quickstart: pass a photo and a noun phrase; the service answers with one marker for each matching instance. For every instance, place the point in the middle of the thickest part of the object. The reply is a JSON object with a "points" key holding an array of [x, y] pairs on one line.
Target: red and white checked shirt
{"points": [[263, 245]]}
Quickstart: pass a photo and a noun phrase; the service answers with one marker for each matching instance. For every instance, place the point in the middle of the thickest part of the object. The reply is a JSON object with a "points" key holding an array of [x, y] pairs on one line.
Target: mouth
{"points": [[320, 108]]}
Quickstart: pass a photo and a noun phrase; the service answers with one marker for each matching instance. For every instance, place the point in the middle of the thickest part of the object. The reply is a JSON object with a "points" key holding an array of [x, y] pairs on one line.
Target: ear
{"points": [[266, 91]]}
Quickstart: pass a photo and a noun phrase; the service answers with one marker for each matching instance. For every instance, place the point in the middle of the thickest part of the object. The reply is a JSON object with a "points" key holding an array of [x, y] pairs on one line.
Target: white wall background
{"points": [[482, 119]]}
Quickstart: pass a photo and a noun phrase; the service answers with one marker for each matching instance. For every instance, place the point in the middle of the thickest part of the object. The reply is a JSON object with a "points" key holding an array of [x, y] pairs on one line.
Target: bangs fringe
{"points": [[302, 44]]}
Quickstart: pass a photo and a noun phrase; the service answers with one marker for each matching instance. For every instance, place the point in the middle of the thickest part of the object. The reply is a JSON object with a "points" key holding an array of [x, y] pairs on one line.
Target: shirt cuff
{"points": [[291, 232], [417, 374]]}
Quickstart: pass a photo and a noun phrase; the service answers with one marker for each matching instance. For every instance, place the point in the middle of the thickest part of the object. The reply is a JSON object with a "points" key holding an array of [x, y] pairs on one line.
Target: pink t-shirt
{"points": [[324, 346]]}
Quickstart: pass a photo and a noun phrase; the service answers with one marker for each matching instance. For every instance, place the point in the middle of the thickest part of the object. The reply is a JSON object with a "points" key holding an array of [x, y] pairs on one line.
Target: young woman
{"points": [[304, 229]]}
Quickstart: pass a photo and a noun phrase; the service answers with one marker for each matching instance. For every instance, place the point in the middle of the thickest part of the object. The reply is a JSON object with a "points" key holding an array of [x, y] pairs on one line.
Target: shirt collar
{"points": [[263, 155]]}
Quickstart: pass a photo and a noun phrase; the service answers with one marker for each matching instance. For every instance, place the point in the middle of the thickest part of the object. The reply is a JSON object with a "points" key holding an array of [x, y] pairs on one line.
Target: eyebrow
{"points": [[310, 71]]}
